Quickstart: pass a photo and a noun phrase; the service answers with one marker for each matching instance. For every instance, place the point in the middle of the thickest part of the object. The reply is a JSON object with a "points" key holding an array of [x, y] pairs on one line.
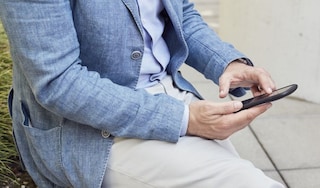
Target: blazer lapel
{"points": [[132, 6]]}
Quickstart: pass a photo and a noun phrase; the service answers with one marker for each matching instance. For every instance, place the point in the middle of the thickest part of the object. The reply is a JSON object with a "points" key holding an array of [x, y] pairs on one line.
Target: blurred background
{"points": [[281, 36]]}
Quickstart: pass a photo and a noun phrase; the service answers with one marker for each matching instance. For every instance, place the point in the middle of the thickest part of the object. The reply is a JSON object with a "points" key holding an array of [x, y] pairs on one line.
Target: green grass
{"points": [[7, 152], [10, 171]]}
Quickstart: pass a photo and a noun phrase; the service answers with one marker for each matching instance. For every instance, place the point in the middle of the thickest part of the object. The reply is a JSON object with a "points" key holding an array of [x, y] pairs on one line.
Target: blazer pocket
{"points": [[45, 148]]}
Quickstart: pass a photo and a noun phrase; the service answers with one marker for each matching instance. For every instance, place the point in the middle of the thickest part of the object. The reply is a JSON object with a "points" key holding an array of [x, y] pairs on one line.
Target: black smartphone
{"points": [[265, 98]]}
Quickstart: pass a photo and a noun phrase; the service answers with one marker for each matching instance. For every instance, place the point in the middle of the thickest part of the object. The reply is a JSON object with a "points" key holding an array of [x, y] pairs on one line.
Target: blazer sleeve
{"points": [[207, 52]]}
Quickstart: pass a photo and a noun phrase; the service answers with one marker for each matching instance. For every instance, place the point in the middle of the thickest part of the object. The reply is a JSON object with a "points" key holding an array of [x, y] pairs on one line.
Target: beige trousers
{"points": [[193, 162]]}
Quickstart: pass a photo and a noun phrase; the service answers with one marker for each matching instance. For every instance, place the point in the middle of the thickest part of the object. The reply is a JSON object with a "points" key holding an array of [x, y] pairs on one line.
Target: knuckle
{"points": [[261, 70], [205, 109]]}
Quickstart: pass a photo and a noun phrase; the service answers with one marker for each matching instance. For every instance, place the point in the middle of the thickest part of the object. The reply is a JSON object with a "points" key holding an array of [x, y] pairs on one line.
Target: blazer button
{"points": [[136, 55], [105, 134]]}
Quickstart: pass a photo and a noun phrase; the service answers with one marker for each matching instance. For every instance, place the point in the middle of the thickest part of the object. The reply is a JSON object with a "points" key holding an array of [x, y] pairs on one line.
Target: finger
{"points": [[266, 85], [225, 107], [256, 91], [243, 118], [224, 86], [265, 82], [248, 115], [237, 121]]}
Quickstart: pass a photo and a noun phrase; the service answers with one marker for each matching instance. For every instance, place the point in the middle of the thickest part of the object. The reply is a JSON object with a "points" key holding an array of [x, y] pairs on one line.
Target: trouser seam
{"points": [[131, 177]]}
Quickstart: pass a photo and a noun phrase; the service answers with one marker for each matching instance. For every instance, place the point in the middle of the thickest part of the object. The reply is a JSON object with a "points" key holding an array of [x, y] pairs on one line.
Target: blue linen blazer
{"points": [[75, 67]]}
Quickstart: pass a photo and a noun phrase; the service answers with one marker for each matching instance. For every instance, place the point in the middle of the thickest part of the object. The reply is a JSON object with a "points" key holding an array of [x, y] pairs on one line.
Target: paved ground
{"points": [[284, 141]]}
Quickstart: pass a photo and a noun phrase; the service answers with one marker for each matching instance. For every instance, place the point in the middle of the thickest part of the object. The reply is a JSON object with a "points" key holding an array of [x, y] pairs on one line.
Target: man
{"points": [[98, 100]]}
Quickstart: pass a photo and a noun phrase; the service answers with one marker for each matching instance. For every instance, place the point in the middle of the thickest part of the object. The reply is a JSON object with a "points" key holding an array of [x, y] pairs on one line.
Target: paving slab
{"points": [[249, 148], [275, 175], [291, 142], [302, 178]]}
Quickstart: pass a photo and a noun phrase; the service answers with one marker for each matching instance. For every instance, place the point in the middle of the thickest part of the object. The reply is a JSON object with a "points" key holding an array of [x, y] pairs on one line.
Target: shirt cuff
{"points": [[245, 61], [185, 121]]}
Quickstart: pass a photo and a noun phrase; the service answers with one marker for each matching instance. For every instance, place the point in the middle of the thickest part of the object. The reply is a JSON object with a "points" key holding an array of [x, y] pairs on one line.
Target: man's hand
{"points": [[217, 120], [240, 75]]}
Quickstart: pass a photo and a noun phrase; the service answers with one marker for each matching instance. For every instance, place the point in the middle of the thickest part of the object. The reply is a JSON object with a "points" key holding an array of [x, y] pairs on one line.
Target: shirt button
{"points": [[136, 55], [105, 134]]}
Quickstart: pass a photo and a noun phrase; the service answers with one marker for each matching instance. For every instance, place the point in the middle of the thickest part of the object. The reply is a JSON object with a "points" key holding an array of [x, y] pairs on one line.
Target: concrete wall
{"points": [[283, 36]]}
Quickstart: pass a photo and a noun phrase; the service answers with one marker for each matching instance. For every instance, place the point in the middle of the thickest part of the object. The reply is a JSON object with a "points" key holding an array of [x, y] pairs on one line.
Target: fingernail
{"points": [[269, 90], [221, 94]]}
